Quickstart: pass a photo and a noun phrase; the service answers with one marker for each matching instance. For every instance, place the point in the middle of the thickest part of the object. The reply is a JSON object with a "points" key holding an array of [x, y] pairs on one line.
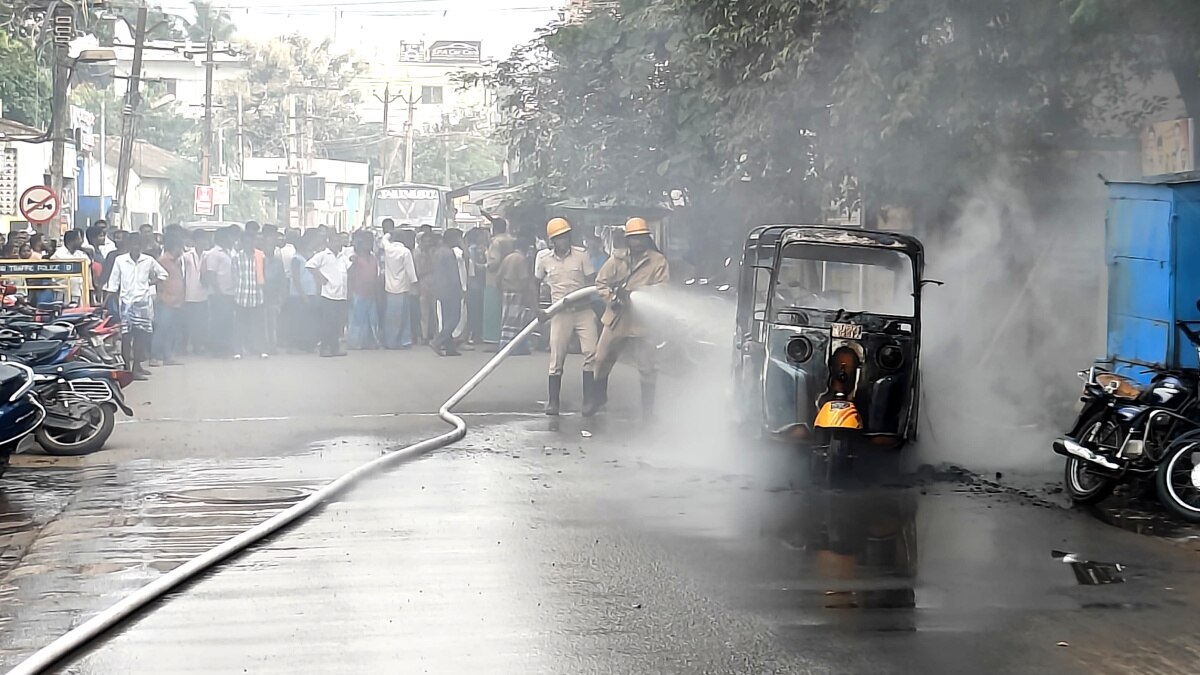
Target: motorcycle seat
{"points": [[52, 332], [23, 326], [8, 374], [1126, 388], [73, 319], [34, 351]]}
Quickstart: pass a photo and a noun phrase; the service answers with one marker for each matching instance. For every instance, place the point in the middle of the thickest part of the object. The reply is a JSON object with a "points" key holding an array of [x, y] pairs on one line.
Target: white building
{"points": [[25, 164], [179, 66], [149, 183], [424, 76]]}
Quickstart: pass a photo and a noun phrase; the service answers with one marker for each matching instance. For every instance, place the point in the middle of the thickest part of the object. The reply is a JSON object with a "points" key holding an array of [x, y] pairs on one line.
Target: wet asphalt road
{"points": [[529, 548]]}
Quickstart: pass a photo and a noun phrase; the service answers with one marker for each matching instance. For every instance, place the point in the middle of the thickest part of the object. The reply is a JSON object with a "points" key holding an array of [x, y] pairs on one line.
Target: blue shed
{"points": [[1153, 257]]}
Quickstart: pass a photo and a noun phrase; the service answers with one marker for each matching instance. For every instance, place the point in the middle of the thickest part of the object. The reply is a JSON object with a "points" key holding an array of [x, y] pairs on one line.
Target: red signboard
{"points": [[204, 200]]}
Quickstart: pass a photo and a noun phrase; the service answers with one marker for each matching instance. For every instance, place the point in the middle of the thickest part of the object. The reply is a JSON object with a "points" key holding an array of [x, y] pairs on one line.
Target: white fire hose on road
{"points": [[81, 636]]}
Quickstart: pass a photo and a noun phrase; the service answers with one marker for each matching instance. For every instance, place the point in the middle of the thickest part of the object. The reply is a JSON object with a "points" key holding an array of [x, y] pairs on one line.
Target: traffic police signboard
{"points": [[39, 204]]}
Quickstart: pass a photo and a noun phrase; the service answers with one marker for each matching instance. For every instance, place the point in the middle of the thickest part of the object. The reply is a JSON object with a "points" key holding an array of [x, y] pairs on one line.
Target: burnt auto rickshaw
{"points": [[827, 350]]}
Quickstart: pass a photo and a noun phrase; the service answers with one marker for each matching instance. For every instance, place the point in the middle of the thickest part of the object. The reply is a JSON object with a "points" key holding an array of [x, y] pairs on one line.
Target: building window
{"points": [[172, 87], [431, 95]]}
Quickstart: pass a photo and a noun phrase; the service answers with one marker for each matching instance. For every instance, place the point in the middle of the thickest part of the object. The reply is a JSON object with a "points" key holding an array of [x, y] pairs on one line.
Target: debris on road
{"points": [[1089, 573]]}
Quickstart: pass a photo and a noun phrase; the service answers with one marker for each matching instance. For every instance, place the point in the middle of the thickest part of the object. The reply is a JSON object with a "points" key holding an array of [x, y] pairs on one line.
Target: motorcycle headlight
{"points": [[799, 350], [890, 357]]}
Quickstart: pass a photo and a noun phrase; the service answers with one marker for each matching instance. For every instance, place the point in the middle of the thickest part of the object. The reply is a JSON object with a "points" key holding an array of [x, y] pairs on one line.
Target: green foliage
{"points": [[163, 127], [757, 109], [210, 22], [469, 154], [245, 203], [24, 86], [296, 66]]}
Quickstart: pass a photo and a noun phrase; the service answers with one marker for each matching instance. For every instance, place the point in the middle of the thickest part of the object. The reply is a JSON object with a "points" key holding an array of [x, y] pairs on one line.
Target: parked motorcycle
{"points": [[1125, 433], [80, 409], [21, 412]]}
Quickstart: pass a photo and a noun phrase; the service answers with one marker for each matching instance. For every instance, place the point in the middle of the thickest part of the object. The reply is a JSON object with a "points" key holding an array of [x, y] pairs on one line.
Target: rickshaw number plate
{"points": [[846, 331]]}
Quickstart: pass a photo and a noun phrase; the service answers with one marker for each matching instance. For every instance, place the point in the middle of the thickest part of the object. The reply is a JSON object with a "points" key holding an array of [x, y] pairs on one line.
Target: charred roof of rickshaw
{"points": [[828, 235]]}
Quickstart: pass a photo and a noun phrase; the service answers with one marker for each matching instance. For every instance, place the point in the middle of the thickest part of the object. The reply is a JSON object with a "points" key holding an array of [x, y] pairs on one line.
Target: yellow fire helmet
{"points": [[635, 226], [557, 226]]}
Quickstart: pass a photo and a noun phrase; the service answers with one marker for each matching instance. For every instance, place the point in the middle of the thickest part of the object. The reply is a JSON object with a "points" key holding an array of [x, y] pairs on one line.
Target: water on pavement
{"points": [[536, 551]]}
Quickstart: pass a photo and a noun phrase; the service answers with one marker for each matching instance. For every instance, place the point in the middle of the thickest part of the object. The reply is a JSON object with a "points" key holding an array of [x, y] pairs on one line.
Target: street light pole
{"points": [[132, 99]]}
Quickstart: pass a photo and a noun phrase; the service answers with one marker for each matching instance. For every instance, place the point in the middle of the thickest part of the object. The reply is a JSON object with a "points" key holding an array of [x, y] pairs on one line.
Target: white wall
{"points": [[33, 162], [405, 77]]}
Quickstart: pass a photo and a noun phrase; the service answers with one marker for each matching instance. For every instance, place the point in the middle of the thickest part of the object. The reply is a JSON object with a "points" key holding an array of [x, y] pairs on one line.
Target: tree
{"points": [[1168, 24], [763, 107], [24, 86], [210, 22], [163, 127], [292, 69], [467, 156]]}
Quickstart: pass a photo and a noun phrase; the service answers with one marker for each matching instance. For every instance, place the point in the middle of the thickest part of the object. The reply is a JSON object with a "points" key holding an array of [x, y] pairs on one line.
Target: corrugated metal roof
{"points": [[13, 128], [149, 160], [1167, 179]]}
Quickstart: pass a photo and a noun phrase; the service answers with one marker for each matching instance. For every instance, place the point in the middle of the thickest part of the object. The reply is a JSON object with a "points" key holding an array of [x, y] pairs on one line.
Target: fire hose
{"points": [[83, 635]]}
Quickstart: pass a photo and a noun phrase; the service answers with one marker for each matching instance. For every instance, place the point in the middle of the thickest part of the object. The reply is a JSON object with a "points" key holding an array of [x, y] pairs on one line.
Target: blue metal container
{"points": [[1153, 257]]}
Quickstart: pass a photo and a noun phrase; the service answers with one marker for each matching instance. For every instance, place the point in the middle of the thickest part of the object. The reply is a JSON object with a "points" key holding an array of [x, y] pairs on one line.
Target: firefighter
{"points": [[641, 267], [565, 269]]}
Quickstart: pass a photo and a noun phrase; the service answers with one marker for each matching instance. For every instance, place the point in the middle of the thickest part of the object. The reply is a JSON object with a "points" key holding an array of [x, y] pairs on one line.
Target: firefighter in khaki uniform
{"points": [[566, 269], [643, 266]]}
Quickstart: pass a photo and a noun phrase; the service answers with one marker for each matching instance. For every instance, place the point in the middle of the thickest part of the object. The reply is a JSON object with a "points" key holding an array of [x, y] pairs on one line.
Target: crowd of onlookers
{"points": [[256, 290]]}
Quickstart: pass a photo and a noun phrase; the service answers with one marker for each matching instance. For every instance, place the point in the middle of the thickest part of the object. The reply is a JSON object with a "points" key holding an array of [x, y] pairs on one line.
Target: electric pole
{"points": [[206, 147], [128, 118], [241, 149], [410, 135], [63, 22], [387, 99]]}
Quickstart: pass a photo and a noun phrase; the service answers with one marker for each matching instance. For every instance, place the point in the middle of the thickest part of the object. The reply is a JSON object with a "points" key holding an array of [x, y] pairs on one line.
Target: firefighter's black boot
{"points": [[589, 388], [599, 397], [648, 390], [552, 405]]}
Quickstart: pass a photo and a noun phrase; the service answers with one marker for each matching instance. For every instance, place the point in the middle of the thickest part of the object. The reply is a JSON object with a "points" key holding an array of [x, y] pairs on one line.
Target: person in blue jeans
{"points": [[400, 289], [218, 279], [364, 290], [168, 302]]}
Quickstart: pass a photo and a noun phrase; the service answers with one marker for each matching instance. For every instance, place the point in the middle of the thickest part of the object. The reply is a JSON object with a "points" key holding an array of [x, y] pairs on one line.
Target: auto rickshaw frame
{"points": [[781, 394]]}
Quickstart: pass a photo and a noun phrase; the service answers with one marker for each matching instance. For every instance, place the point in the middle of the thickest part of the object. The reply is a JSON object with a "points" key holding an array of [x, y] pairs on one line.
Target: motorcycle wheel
{"points": [[1178, 481], [6, 452], [1084, 486], [101, 419]]}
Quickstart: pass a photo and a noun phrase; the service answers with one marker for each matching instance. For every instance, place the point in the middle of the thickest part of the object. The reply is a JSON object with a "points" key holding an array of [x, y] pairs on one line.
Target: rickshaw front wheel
{"points": [[831, 468]]}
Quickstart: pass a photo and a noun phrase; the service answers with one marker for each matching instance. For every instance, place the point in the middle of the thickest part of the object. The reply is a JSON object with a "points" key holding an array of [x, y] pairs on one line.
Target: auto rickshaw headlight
{"points": [[890, 357], [799, 350]]}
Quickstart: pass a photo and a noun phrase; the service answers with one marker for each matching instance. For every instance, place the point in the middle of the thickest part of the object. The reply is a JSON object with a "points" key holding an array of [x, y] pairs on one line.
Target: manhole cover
{"points": [[253, 494]]}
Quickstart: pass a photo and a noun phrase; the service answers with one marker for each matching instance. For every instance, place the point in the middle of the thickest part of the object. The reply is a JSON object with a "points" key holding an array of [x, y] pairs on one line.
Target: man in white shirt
{"points": [[70, 250], [400, 284], [133, 278], [330, 272]]}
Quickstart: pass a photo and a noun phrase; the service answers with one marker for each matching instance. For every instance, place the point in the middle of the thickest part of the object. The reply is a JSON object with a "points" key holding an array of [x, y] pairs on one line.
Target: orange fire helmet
{"points": [[635, 226], [557, 226]]}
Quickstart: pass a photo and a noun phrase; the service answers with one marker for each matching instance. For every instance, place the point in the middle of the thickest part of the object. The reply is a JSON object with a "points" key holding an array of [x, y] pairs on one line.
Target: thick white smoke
{"points": [[1019, 314]]}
